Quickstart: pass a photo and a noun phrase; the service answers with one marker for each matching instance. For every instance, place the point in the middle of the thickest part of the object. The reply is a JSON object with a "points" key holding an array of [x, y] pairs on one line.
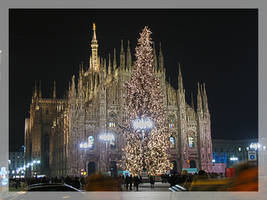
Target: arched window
{"points": [[91, 142], [112, 119], [173, 142], [172, 121], [191, 141], [113, 143]]}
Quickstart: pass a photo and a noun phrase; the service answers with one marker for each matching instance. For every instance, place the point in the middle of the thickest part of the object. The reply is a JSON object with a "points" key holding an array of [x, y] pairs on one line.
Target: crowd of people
{"points": [[125, 182]]}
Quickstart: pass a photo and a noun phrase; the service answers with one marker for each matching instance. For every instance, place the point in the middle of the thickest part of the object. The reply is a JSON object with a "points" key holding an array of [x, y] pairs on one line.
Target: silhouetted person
{"points": [[136, 181], [152, 181], [131, 181], [127, 181]]}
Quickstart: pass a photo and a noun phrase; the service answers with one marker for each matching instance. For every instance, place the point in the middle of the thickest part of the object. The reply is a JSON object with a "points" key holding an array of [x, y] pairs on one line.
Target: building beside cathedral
{"points": [[64, 134]]}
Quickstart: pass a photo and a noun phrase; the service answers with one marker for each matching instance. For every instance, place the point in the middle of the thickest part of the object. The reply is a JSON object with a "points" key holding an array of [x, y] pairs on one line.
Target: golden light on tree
{"points": [[144, 99]]}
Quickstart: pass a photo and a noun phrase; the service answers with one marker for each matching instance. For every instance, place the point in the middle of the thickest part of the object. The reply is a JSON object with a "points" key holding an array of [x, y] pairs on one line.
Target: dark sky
{"points": [[218, 47]]}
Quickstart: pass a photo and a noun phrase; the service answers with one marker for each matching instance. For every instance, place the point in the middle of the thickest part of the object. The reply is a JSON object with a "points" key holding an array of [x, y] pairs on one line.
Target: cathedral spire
{"points": [[35, 90], [94, 46], [205, 100], [122, 57], [105, 68], [114, 61], [180, 78], [73, 88], [199, 100], [109, 64], [155, 58], [129, 57], [40, 90], [54, 91], [94, 40], [161, 60]]}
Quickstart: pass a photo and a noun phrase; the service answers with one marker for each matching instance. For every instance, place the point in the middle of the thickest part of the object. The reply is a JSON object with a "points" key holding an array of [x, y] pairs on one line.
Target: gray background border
{"points": [[4, 115]]}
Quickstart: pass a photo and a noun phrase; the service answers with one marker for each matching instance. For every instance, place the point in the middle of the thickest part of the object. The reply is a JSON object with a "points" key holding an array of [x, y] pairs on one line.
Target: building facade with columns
{"points": [[64, 133]]}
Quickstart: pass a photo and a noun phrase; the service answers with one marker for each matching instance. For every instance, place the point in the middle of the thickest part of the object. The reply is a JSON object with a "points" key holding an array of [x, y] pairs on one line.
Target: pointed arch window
{"points": [[191, 141], [172, 121], [112, 119], [173, 142]]}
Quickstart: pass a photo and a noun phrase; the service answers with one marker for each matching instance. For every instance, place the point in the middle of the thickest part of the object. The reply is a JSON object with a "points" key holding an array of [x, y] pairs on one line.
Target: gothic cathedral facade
{"points": [[64, 133]]}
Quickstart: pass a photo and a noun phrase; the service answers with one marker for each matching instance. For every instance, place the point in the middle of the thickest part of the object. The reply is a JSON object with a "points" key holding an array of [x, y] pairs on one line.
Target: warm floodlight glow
{"points": [[142, 124], [107, 137]]}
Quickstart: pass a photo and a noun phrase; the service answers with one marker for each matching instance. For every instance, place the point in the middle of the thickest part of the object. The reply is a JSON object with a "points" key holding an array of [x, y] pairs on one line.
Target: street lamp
{"points": [[143, 124], [107, 138]]}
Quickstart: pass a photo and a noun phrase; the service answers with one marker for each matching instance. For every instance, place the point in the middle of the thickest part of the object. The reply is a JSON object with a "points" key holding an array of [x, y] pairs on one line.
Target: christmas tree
{"points": [[144, 100]]}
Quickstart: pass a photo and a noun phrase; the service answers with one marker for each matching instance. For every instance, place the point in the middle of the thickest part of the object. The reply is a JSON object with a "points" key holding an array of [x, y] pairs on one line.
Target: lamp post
{"points": [[107, 138], [143, 124]]}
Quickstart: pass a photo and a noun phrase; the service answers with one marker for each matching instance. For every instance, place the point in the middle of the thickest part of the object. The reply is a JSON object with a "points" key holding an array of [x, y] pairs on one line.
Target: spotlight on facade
{"points": [[142, 124], [34, 161], [38, 161], [234, 159], [213, 160], [254, 146], [107, 137]]}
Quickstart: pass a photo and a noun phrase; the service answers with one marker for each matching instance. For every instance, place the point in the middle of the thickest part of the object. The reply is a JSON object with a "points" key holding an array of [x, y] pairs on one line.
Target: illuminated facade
{"points": [[64, 133]]}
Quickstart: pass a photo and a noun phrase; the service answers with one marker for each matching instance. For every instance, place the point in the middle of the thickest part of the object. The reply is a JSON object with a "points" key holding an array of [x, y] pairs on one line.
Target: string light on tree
{"points": [[144, 100]]}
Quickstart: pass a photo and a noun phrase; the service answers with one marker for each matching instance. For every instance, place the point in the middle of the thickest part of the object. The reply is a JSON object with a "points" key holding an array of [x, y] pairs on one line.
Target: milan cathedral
{"points": [[64, 134]]}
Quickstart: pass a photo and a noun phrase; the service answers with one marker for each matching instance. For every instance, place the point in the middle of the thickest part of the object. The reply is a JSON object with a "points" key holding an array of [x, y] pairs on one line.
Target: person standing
{"points": [[127, 182], [136, 181], [131, 181], [152, 181]]}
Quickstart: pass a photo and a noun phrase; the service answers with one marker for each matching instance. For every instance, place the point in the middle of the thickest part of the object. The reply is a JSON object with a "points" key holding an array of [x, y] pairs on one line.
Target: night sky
{"points": [[218, 47]]}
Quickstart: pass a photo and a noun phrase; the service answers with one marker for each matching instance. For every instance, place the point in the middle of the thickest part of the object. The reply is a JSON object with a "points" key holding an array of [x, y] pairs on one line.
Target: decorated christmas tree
{"points": [[145, 149]]}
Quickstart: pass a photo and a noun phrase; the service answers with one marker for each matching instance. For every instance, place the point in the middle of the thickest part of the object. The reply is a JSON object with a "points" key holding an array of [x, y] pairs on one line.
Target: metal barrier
{"points": [[177, 188]]}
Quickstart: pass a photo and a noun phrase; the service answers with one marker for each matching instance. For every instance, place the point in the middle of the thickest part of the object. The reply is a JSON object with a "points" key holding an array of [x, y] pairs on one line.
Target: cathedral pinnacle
{"points": [[129, 57], [94, 46], [122, 57], [94, 34], [114, 60], [40, 90], [180, 78], [54, 91], [35, 90], [109, 64], [199, 99]]}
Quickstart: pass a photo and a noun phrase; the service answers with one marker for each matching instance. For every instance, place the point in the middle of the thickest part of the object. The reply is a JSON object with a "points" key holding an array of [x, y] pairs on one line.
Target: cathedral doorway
{"points": [[193, 164], [113, 169], [91, 168]]}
